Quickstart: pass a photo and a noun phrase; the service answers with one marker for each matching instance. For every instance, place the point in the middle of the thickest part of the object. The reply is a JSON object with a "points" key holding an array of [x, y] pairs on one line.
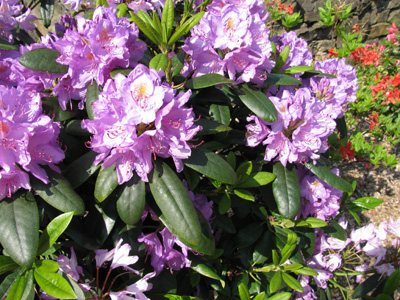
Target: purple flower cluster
{"points": [[231, 37], [137, 117], [10, 16], [319, 200], [301, 131], [93, 50], [335, 92], [28, 139], [164, 254]]}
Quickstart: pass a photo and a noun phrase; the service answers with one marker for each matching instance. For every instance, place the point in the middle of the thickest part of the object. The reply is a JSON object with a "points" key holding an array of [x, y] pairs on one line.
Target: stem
{"points": [[105, 281], [339, 286], [353, 273], [97, 280]]}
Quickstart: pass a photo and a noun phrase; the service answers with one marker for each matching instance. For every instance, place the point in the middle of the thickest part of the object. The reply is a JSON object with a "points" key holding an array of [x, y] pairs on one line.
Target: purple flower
{"points": [[70, 266], [137, 117], [387, 269], [28, 139], [135, 289], [122, 258], [102, 256]]}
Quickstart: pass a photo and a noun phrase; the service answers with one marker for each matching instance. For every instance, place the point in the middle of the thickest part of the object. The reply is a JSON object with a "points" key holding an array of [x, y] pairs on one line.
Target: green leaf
{"points": [[50, 266], [224, 204], [243, 171], [44, 60], [74, 127], [175, 204], [281, 296], [206, 80], [7, 264], [9, 281], [297, 69], [22, 287], [185, 28], [106, 183], [367, 286], [306, 271], [311, 73], [131, 202], [211, 165], [311, 222], [335, 230], [124, 72], [392, 283], [260, 296], [281, 79], [275, 257], [92, 94], [281, 59], [59, 193], [245, 194], [367, 202], [204, 270], [384, 297], [257, 179], [46, 11], [326, 175], [220, 113], [292, 267], [19, 223], [275, 282], [53, 230], [211, 127], [292, 282], [52, 108], [121, 10], [81, 169], [342, 127], [167, 18], [243, 292], [286, 190], [147, 29], [54, 285], [258, 103], [7, 45], [160, 61], [262, 251], [248, 235]]}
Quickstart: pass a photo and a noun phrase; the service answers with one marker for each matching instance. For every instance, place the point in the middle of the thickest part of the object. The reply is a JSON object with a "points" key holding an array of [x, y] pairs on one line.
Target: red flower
{"points": [[332, 52], [347, 152], [289, 9], [372, 125], [281, 7], [396, 80], [374, 117], [393, 96]]}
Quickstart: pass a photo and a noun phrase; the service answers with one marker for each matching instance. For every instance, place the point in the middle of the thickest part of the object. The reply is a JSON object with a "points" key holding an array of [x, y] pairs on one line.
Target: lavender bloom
{"points": [[335, 92], [231, 37], [136, 117], [137, 289], [70, 266], [121, 257], [299, 134], [28, 140]]}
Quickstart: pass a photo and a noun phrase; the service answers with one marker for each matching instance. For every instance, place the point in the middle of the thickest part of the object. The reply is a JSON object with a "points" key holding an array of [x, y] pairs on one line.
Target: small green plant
{"points": [[283, 14]]}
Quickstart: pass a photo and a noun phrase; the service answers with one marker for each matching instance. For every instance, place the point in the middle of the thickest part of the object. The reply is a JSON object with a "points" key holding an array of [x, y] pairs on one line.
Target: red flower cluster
{"points": [[282, 7], [388, 85], [367, 55], [348, 152], [332, 52], [373, 119]]}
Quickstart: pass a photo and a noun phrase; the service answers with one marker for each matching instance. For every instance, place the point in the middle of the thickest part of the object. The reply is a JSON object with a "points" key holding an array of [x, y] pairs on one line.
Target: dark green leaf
{"points": [[74, 127], [335, 230], [286, 190], [211, 165], [92, 94], [262, 250], [7, 46], [44, 60], [175, 204], [160, 61], [206, 80], [281, 79], [106, 183], [384, 297], [257, 179], [367, 202], [275, 282], [311, 73], [326, 175], [19, 223], [220, 113], [131, 202], [17, 289], [248, 235], [7, 264], [392, 283], [46, 11], [243, 172], [52, 108], [258, 103], [367, 286], [81, 169], [54, 285], [53, 230], [211, 127], [244, 194], [59, 193], [185, 28], [124, 72], [224, 204], [292, 282]]}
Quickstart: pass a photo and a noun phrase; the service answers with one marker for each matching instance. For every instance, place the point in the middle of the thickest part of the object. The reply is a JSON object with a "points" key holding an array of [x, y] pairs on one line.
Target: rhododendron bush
{"points": [[161, 150]]}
